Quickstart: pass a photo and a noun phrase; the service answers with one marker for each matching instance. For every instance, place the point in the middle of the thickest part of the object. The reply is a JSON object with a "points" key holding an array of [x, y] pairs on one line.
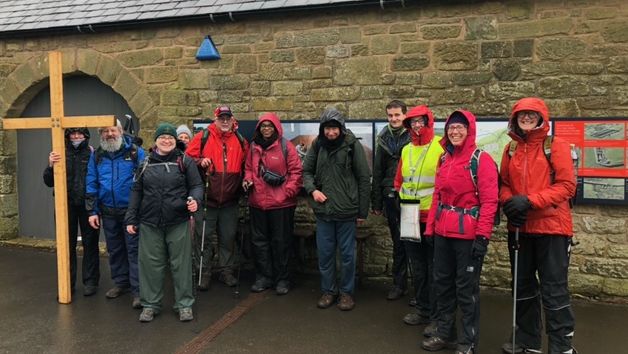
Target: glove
{"points": [[518, 220], [480, 246], [519, 204]]}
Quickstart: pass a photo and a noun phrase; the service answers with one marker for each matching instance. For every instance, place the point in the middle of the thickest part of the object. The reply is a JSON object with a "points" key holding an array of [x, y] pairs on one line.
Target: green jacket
{"points": [[343, 175]]}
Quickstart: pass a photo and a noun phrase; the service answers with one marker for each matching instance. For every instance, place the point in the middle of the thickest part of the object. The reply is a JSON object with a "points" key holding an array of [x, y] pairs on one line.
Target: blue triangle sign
{"points": [[207, 50]]}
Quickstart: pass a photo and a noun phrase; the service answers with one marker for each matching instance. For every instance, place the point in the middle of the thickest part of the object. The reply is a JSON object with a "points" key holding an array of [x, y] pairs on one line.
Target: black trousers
{"points": [[271, 239], [400, 260], [548, 258], [421, 261], [77, 217], [457, 279]]}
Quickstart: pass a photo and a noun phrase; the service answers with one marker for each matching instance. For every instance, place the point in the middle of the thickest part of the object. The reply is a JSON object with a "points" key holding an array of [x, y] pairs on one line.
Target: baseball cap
{"points": [[220, 110]]}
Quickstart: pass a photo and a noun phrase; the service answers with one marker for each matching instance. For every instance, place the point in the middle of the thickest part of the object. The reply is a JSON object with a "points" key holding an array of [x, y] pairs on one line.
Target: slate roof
{"points": [[38, 15]]}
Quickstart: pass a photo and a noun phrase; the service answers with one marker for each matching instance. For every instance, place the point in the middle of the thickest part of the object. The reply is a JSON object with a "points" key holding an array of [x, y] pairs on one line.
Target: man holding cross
{"points": [[109, 180]]}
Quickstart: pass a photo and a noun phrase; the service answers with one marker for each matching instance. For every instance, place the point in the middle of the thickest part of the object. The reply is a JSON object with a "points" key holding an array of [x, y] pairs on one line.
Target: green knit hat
{"points": [[166, 129]]}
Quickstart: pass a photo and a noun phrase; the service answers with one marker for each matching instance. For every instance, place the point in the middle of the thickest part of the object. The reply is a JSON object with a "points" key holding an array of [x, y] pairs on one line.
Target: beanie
{"points": [[183, 129], [165, 129], [459, 118]]}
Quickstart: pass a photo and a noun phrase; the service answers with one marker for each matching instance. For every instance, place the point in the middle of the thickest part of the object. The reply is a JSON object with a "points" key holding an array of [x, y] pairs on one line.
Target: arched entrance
{"points": [[83, 95]]}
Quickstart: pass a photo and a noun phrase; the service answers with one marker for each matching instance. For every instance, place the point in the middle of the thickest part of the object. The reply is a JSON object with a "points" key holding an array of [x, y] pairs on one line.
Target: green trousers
{"points": [[160, 248]]}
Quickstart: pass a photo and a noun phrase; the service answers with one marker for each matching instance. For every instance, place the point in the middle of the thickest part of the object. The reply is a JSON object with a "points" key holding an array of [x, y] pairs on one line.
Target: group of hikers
{"points": [[440, 196]]}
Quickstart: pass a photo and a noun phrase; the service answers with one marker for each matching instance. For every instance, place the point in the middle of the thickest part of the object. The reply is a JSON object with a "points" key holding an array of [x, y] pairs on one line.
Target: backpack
{"points": [[474, 163], [547, 151], [180, 164]]}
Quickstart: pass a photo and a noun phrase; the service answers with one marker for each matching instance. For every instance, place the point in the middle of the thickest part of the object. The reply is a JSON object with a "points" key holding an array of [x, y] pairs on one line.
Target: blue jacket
{"points": [[109, 180]]}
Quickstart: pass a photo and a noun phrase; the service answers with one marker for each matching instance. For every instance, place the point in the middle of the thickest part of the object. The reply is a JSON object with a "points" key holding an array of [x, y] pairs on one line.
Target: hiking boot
{"points": [[90, 290], [282, 288], [507, 348], [395, 293], [434, 344], [115, 292], [204, 284], [326, 300], [148, 314], [228, 279], [414, 319], [261, 284], [430, 330], [464, 349], [136, 304], [185, 314], [346, 302]]}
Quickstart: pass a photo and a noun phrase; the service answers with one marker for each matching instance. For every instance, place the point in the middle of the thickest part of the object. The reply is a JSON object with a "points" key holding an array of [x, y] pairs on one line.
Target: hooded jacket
{"points": [[76, 160], [455, 189], [529, 173], [109, 182], [225, 172], [340, 172], [388, 147], [262, 195], [426, 171]]}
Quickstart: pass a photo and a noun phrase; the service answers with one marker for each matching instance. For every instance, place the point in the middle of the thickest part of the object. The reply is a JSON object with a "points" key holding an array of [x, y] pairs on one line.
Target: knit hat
{"points": [[183, 129], [459, 118], [165, 129]]}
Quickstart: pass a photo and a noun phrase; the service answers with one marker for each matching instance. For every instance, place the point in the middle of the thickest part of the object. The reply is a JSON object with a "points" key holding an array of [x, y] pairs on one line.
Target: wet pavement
{"points": [[31, 321]]}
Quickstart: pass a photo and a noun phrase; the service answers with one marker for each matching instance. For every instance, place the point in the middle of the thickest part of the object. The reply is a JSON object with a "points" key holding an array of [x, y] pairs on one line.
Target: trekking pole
{"points": [[236, 291], [200, 265], [514, 290]]}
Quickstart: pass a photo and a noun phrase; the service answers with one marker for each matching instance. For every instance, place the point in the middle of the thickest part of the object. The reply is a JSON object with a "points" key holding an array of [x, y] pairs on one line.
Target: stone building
{"points": [[297, 57]]}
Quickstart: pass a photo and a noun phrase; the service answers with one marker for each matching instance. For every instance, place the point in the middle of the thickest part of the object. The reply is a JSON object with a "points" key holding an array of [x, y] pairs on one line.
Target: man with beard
{"points": [[109, 180], [77, 153], [337, 177]]}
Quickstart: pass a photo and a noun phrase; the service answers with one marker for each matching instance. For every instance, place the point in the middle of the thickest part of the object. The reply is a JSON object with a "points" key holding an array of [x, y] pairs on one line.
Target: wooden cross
{"points": [[57, 123]]}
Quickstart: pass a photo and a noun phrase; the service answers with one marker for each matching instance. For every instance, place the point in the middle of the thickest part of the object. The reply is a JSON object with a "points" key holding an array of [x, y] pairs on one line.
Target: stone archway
{"points": [[21, 86]]}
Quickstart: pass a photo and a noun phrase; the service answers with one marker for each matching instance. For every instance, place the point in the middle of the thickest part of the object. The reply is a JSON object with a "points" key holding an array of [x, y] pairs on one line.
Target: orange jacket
{"points": [[528, 173]]}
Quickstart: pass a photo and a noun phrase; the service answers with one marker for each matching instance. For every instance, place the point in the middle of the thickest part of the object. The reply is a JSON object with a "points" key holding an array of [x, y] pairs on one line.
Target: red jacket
{"points": [[529, 173], [262, 195], [454, 188], [227, 154]]}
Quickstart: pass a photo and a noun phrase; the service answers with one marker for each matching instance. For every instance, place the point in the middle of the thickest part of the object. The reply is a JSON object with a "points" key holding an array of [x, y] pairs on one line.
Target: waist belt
{"points": [[474, 212]]}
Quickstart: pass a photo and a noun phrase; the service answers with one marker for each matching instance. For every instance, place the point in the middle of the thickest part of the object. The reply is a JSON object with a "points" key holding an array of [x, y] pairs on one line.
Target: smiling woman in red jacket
{"points": [[535, 193], [273, 177], [461, 220]]}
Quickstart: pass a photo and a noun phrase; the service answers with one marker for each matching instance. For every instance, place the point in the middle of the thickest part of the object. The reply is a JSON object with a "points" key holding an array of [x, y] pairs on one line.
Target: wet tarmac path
{"points": [[31, 320]]}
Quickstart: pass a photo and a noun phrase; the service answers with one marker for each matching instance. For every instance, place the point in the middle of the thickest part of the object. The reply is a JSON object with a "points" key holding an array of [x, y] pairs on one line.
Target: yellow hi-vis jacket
{"points": [[418, 170]]}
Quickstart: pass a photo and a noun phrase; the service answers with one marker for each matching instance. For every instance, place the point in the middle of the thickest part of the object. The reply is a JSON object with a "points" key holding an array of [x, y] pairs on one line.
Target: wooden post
{"points": [[57, 124]]}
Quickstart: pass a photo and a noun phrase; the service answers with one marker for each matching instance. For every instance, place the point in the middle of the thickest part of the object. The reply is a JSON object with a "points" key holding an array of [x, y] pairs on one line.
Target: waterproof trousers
{"points": [[457, 279], [332, 235], [400, 259], [421, 260], [271, 238], [223, 221], [162, 248], [77, 217], [548, 258], [122, 249]]}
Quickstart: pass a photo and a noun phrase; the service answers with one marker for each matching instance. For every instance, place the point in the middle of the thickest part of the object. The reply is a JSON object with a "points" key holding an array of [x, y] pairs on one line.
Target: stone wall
{"points": [[482, 57]]}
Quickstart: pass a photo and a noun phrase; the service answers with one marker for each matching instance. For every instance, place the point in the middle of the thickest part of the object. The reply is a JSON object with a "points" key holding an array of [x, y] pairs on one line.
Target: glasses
{"points": [[417, 121], [457, 127], [224, 118], [267, 126], [165, 137], [530, 114]]}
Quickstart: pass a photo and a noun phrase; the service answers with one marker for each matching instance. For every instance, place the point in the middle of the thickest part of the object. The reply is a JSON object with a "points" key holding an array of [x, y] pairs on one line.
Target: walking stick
{"points": [[236, 292], [200, 265], [514, 290]]}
